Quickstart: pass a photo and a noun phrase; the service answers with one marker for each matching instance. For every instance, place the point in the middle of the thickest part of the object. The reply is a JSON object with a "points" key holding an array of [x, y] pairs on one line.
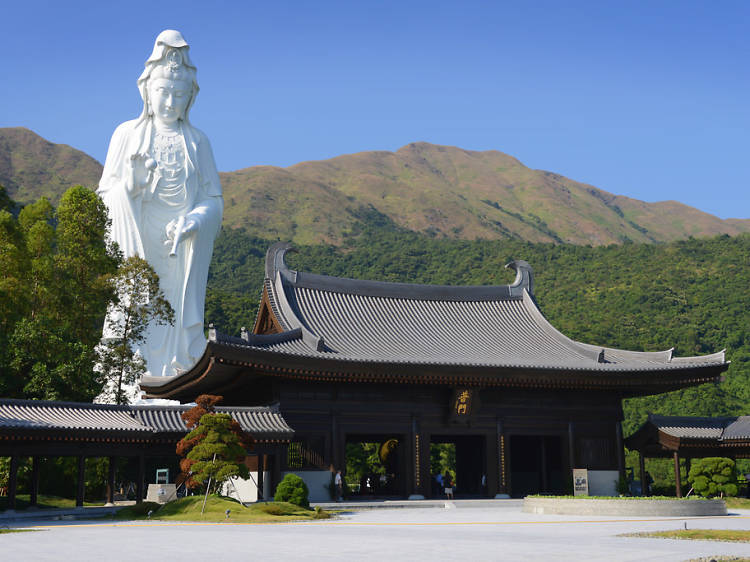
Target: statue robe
{"points": [[171, 349]]}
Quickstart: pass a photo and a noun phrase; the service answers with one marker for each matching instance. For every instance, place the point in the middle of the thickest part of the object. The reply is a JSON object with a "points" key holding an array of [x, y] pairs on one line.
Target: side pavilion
{"points": [[42, 429], [688, 438], [476, 366]]}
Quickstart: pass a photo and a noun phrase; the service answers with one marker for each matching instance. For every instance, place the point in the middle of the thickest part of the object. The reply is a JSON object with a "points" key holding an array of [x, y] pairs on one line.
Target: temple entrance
{"points": [[536, 465], [463, 457], [375, 466]]}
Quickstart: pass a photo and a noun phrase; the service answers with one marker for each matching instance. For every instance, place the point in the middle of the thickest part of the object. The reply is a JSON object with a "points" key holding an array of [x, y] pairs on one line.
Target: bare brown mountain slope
{"points": [[450, 192], [31, 167], [442, 190]]}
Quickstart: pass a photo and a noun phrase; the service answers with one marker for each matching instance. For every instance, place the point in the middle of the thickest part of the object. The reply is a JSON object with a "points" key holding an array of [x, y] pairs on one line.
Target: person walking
{"points": [[339, 483], [448, 483]]}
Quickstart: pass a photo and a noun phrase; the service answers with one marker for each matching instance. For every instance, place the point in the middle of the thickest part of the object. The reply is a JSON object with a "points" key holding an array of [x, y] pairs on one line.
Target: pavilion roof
{"points": [[729, 435], [141, 421]]}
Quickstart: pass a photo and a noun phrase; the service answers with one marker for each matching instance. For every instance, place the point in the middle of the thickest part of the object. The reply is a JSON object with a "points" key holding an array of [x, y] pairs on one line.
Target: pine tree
{"points": [[215, 448]]}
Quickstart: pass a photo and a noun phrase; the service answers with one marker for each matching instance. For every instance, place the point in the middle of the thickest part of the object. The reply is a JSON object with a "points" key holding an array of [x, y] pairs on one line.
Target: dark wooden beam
{"points": [[141, 478], [34, 492], [261, 470], [111, 480], [642, 466], [677, 484], [13, 482], [80, 489], [620, 449]]}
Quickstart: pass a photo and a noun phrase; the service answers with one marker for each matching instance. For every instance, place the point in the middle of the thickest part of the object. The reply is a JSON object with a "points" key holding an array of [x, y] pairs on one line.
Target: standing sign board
{"points": [[580, 482]]}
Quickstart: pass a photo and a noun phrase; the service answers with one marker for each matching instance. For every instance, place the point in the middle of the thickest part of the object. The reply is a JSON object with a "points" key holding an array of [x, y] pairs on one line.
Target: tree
{"points": [[53, 297], [713, 476], [139, 301], [215, 448], [6, 203]]}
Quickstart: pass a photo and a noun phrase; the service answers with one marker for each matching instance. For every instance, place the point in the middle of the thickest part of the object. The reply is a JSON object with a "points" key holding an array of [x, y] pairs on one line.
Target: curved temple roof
{"points": [[431, 324], [347, 322]]}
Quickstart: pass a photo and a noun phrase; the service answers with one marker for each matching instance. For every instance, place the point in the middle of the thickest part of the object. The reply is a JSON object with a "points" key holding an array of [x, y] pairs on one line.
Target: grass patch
{"points": [[189, 509], [699, 535], [627, 498], [6, 531], [23, 501], [737, 503]]}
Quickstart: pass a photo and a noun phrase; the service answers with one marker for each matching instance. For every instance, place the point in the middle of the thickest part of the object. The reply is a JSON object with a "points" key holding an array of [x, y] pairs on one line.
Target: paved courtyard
{"points": [[465, 533]]}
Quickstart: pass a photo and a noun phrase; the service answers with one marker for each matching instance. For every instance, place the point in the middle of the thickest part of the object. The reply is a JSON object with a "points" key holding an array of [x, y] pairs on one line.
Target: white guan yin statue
{"points": [[162, 190]]}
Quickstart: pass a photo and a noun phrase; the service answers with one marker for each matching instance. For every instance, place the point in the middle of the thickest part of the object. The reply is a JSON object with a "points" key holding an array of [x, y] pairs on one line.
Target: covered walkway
{"points": [[42, 429], [686, 437]]}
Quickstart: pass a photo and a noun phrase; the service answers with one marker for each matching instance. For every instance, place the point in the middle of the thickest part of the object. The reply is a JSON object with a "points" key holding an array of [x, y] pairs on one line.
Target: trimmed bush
{"points": [[713, 476], [292, 489]]}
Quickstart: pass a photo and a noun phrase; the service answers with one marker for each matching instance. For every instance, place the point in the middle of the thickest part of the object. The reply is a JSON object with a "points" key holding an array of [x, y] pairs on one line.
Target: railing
{"points": [[300, 457]]}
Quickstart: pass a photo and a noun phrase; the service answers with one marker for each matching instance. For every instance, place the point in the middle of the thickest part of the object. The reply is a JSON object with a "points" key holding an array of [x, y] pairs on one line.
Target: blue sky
{"points": [[644, 99]]}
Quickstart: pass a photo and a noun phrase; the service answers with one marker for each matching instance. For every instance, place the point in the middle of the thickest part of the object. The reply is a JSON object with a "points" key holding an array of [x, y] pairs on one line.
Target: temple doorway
{"points": [[536, 465], [375, 466], [463, 457]]}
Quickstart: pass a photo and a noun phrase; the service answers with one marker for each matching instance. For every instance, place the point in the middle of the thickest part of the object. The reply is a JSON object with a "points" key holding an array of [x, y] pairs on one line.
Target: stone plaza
{"points": [[457, 531]]}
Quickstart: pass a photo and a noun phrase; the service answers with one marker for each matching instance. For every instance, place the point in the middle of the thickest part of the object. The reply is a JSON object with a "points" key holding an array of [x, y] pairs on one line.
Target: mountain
{"points": [[442, 191], [449, 192], [32, 167]]}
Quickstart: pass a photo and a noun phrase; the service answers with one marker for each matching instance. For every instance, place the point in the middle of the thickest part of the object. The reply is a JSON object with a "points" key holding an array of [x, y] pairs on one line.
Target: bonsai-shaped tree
{"points": [[713, 476], [215, 448]]}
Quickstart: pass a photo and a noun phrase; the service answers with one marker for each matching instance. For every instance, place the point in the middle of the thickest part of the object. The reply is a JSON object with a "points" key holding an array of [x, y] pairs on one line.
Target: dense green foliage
{"points": [[54, 292], [292, 489], [690, 295], [140, 301], [713, 476], [218, 453]]}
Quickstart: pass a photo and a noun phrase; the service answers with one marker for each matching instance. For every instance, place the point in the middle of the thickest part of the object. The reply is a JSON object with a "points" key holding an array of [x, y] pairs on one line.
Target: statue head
{"points": [[168, 84]]}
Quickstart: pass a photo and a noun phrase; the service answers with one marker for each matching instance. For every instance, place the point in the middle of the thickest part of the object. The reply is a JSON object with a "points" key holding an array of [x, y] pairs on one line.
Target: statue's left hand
{"points": [[191, 225]]}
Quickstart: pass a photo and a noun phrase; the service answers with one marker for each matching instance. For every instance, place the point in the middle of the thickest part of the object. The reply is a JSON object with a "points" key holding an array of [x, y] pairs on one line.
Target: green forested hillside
{"points": [[691, 295]]}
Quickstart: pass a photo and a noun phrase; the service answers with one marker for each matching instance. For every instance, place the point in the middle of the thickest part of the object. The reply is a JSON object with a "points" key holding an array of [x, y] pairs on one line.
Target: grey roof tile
{"points": [[717, 428], [37, 415], [377, 322]]}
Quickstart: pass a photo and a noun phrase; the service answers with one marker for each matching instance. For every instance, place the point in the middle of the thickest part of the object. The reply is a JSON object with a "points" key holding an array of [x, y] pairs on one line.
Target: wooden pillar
{"points": [[141, 478], [275, 470], [500, 464], [261, 470], [677, 484], [545, 479], [336, 447], [80, 489], [620, 449], [412, 460], [492, 464], [34, 492], [13, 482], [425, 477], [111, 481], [571, 448], [642, 466]]}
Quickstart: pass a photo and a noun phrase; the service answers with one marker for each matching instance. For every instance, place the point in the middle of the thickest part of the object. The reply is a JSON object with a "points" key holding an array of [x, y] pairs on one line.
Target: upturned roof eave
{"points": [[227, 365]]}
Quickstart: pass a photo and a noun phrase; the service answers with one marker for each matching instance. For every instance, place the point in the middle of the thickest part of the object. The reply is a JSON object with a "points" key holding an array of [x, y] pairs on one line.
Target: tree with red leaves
{"points": [[215, 448]]}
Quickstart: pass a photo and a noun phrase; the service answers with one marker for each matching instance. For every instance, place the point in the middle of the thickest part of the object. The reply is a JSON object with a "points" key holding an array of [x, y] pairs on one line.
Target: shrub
{"points": [[713, 476], [272, 509], [292, 489]]}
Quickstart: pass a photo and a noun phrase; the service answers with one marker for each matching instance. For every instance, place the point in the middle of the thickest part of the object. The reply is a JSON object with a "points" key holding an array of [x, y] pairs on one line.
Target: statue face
{"points": [[169, 98]]}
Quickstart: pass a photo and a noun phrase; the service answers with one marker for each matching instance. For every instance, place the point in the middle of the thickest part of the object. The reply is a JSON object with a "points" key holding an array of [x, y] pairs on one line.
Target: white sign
{"points": [[580, 482]]}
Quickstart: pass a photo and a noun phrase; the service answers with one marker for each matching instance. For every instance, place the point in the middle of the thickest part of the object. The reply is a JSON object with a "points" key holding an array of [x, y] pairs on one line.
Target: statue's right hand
{"points": [[142, 168]]}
